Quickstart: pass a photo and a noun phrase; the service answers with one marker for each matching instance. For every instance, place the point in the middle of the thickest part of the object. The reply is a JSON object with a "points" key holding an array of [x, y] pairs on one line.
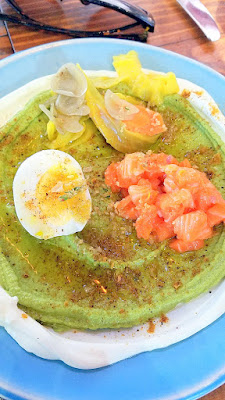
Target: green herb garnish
{"points": [[70, 193]]}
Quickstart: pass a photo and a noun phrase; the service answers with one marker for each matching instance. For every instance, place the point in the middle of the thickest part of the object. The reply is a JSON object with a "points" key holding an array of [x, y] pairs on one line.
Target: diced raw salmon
{"points": [[146, 121], [192, 226], [156, 184], [216, 214], [126, 209], [166, 199], [164, 230], [181, 246], [111, 178], [141, 194], [144, 182], [170, 185], [130, 169], [174, 204], [206, 233], [124, 192], [185, 163], [155, 162], [207, 196], [153, 172], [188, 178], [160, 159], [146, 221]]}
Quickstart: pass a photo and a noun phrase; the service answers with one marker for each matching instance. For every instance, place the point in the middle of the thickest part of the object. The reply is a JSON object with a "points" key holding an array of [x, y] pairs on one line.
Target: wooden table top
{"points": [[174, 30]]}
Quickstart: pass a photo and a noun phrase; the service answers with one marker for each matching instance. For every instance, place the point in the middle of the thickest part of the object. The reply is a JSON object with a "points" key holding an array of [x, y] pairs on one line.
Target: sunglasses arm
{"points": [[137, 13]]}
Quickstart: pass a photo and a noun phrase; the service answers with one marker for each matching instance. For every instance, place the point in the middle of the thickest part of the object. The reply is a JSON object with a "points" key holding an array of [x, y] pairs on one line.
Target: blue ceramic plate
{"points": [[186, 370]]}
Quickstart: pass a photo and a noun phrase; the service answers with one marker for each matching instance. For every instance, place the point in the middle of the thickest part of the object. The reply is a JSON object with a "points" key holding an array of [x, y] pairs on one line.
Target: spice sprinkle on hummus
{"points": [[84, 280]]}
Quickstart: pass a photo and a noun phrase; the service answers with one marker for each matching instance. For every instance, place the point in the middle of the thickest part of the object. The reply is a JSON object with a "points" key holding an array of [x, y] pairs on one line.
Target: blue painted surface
{"points": [[186, 370]]}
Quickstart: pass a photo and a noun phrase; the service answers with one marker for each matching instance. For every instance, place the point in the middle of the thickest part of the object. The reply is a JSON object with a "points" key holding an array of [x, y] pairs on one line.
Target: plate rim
{"points": [[63, 42]]}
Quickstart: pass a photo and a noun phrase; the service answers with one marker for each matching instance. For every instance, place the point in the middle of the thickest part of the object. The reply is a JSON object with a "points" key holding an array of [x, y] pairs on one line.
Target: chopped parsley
{"points": [[70, 193]]}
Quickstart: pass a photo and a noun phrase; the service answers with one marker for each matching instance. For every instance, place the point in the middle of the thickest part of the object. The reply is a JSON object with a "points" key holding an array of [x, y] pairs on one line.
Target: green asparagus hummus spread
{"points": [[104, 277]]}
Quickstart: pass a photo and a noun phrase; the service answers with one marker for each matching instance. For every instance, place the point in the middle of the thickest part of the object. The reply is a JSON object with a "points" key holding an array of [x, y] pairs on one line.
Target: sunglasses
{"points": [[140, 16]]}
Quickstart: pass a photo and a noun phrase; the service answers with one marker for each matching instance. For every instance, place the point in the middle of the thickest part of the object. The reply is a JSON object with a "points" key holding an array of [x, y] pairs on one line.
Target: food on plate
{"points": [[132, 80], [114, 271], [66, 108], [130, 130], [50, 195], [125, 118], [166, 199]]}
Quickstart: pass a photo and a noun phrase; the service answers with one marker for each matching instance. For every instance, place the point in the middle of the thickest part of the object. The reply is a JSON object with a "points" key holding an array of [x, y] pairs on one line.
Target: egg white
{"points": [[25, 192]]}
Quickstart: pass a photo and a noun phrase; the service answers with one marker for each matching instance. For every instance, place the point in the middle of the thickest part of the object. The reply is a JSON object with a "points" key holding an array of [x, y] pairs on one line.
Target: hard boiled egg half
{"points": [[51, 195]]}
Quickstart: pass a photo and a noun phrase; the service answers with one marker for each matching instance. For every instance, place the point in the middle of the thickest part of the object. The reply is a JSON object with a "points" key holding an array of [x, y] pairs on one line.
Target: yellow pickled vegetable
{"points": [[127, 65], [69, 139], [130, 99], [148, 87], [115, 131], [51, 130], [62, 141], [104, 82], [153, 88], [90, 131]]}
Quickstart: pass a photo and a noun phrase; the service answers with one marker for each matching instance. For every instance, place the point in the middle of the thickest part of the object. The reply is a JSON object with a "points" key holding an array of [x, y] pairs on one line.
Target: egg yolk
{"points": [[61, 195]]}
